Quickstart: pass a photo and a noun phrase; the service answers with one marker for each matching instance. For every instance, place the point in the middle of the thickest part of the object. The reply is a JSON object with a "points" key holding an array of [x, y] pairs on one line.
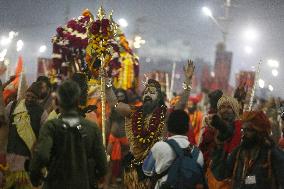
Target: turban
{"points": [[228, 100], [195, 99], [259, 120]]}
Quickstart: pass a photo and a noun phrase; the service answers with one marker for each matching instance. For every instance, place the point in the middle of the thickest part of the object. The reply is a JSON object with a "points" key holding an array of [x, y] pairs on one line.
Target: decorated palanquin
{"points": [[83, 43], [69, 46], [107, 40], [79, 45]]}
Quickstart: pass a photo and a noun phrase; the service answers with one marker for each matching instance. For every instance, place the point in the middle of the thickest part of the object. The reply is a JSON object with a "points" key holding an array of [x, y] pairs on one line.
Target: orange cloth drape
{"points": [[213, 183], [196, 124], [116, 146], [96, 116]]}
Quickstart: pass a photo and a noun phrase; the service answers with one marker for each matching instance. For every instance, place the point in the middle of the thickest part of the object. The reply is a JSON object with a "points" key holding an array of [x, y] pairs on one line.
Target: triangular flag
{"points": [[19, 70], [11, 88], [23, 86]]}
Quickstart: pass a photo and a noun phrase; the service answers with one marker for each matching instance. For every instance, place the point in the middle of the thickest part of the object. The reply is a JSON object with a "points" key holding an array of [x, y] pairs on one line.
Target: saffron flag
{"points": [[12, 87]]}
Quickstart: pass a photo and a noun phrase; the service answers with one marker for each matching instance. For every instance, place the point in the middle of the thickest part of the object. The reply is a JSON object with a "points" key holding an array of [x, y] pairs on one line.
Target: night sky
{"points": [[174, 30]]}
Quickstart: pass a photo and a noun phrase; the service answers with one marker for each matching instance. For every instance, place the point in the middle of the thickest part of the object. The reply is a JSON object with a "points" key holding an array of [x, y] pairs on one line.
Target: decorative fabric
{"points": [[213, 183], [131, 180], [52, 115], [196, 124], [22, 122], [17, 180]]}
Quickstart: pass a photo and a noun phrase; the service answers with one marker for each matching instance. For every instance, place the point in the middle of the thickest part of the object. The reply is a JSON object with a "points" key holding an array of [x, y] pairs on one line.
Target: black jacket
{"points": [[73, 154]]}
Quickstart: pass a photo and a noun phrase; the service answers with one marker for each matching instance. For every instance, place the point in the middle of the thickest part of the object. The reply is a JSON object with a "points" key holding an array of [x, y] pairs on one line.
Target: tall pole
{"points": [[167, 86], [103, 101], [172, 80], [101, 15], [256, 78]]}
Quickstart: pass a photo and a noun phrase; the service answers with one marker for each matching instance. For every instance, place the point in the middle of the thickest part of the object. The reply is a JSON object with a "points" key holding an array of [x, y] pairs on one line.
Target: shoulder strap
{"points": [[194, 152], [179, 151], [78, 127], [176, 148]]}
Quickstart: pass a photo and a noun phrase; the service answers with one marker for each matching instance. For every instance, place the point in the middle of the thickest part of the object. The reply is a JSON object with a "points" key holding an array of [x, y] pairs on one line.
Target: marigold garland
{"points": [[145, 135], [80, 44]]}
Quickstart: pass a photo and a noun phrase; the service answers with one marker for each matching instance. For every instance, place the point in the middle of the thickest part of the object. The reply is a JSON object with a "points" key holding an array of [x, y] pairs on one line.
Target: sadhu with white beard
{"points": [[145, 125]]}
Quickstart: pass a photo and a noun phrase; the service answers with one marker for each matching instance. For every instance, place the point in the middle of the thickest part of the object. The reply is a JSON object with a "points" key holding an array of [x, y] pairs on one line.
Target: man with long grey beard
{"points": [[145, 125]]}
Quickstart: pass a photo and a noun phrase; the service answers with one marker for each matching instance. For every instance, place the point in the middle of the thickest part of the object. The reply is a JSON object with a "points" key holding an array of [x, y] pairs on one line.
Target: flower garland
{"points": [[101, 34], [80, 44], [107, 40], [69, 45], [145, 135], [125, 68]]}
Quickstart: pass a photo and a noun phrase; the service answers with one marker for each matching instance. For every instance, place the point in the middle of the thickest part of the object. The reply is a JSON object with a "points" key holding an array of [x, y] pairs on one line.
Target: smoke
{"points": [[176, 50]]}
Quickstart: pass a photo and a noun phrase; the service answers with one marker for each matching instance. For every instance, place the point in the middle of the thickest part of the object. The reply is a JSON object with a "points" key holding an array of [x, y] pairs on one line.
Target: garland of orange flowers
{"points": [[143, 134]]}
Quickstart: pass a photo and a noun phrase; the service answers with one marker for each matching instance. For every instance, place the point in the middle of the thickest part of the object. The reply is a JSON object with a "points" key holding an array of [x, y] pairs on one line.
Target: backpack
{"points": [[64, 136], [184, 172]]}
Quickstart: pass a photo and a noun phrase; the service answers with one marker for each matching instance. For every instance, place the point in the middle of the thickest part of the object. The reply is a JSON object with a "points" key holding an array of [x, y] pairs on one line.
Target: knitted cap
{"points": [[228, 100]]}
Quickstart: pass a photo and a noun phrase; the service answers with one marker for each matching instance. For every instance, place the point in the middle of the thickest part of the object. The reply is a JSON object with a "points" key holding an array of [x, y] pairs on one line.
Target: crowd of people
{"points": [[51, 138]]}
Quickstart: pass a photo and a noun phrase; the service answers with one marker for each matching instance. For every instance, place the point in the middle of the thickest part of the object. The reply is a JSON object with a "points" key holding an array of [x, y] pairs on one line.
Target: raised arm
{"points": [[188, 73], [122, 108]]}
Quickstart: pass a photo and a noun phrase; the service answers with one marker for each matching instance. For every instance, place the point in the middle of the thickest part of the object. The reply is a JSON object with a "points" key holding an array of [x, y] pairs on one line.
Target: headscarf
{"points": [[225, 99], [259, 120]]}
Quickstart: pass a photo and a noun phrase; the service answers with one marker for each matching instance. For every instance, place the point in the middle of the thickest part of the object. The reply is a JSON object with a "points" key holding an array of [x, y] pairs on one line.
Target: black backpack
{"points": [[184, 172], [64, 136]]}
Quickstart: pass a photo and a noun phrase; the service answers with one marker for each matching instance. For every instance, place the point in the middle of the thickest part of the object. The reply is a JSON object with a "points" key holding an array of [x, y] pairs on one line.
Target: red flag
{"points": [[12, 87]]}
